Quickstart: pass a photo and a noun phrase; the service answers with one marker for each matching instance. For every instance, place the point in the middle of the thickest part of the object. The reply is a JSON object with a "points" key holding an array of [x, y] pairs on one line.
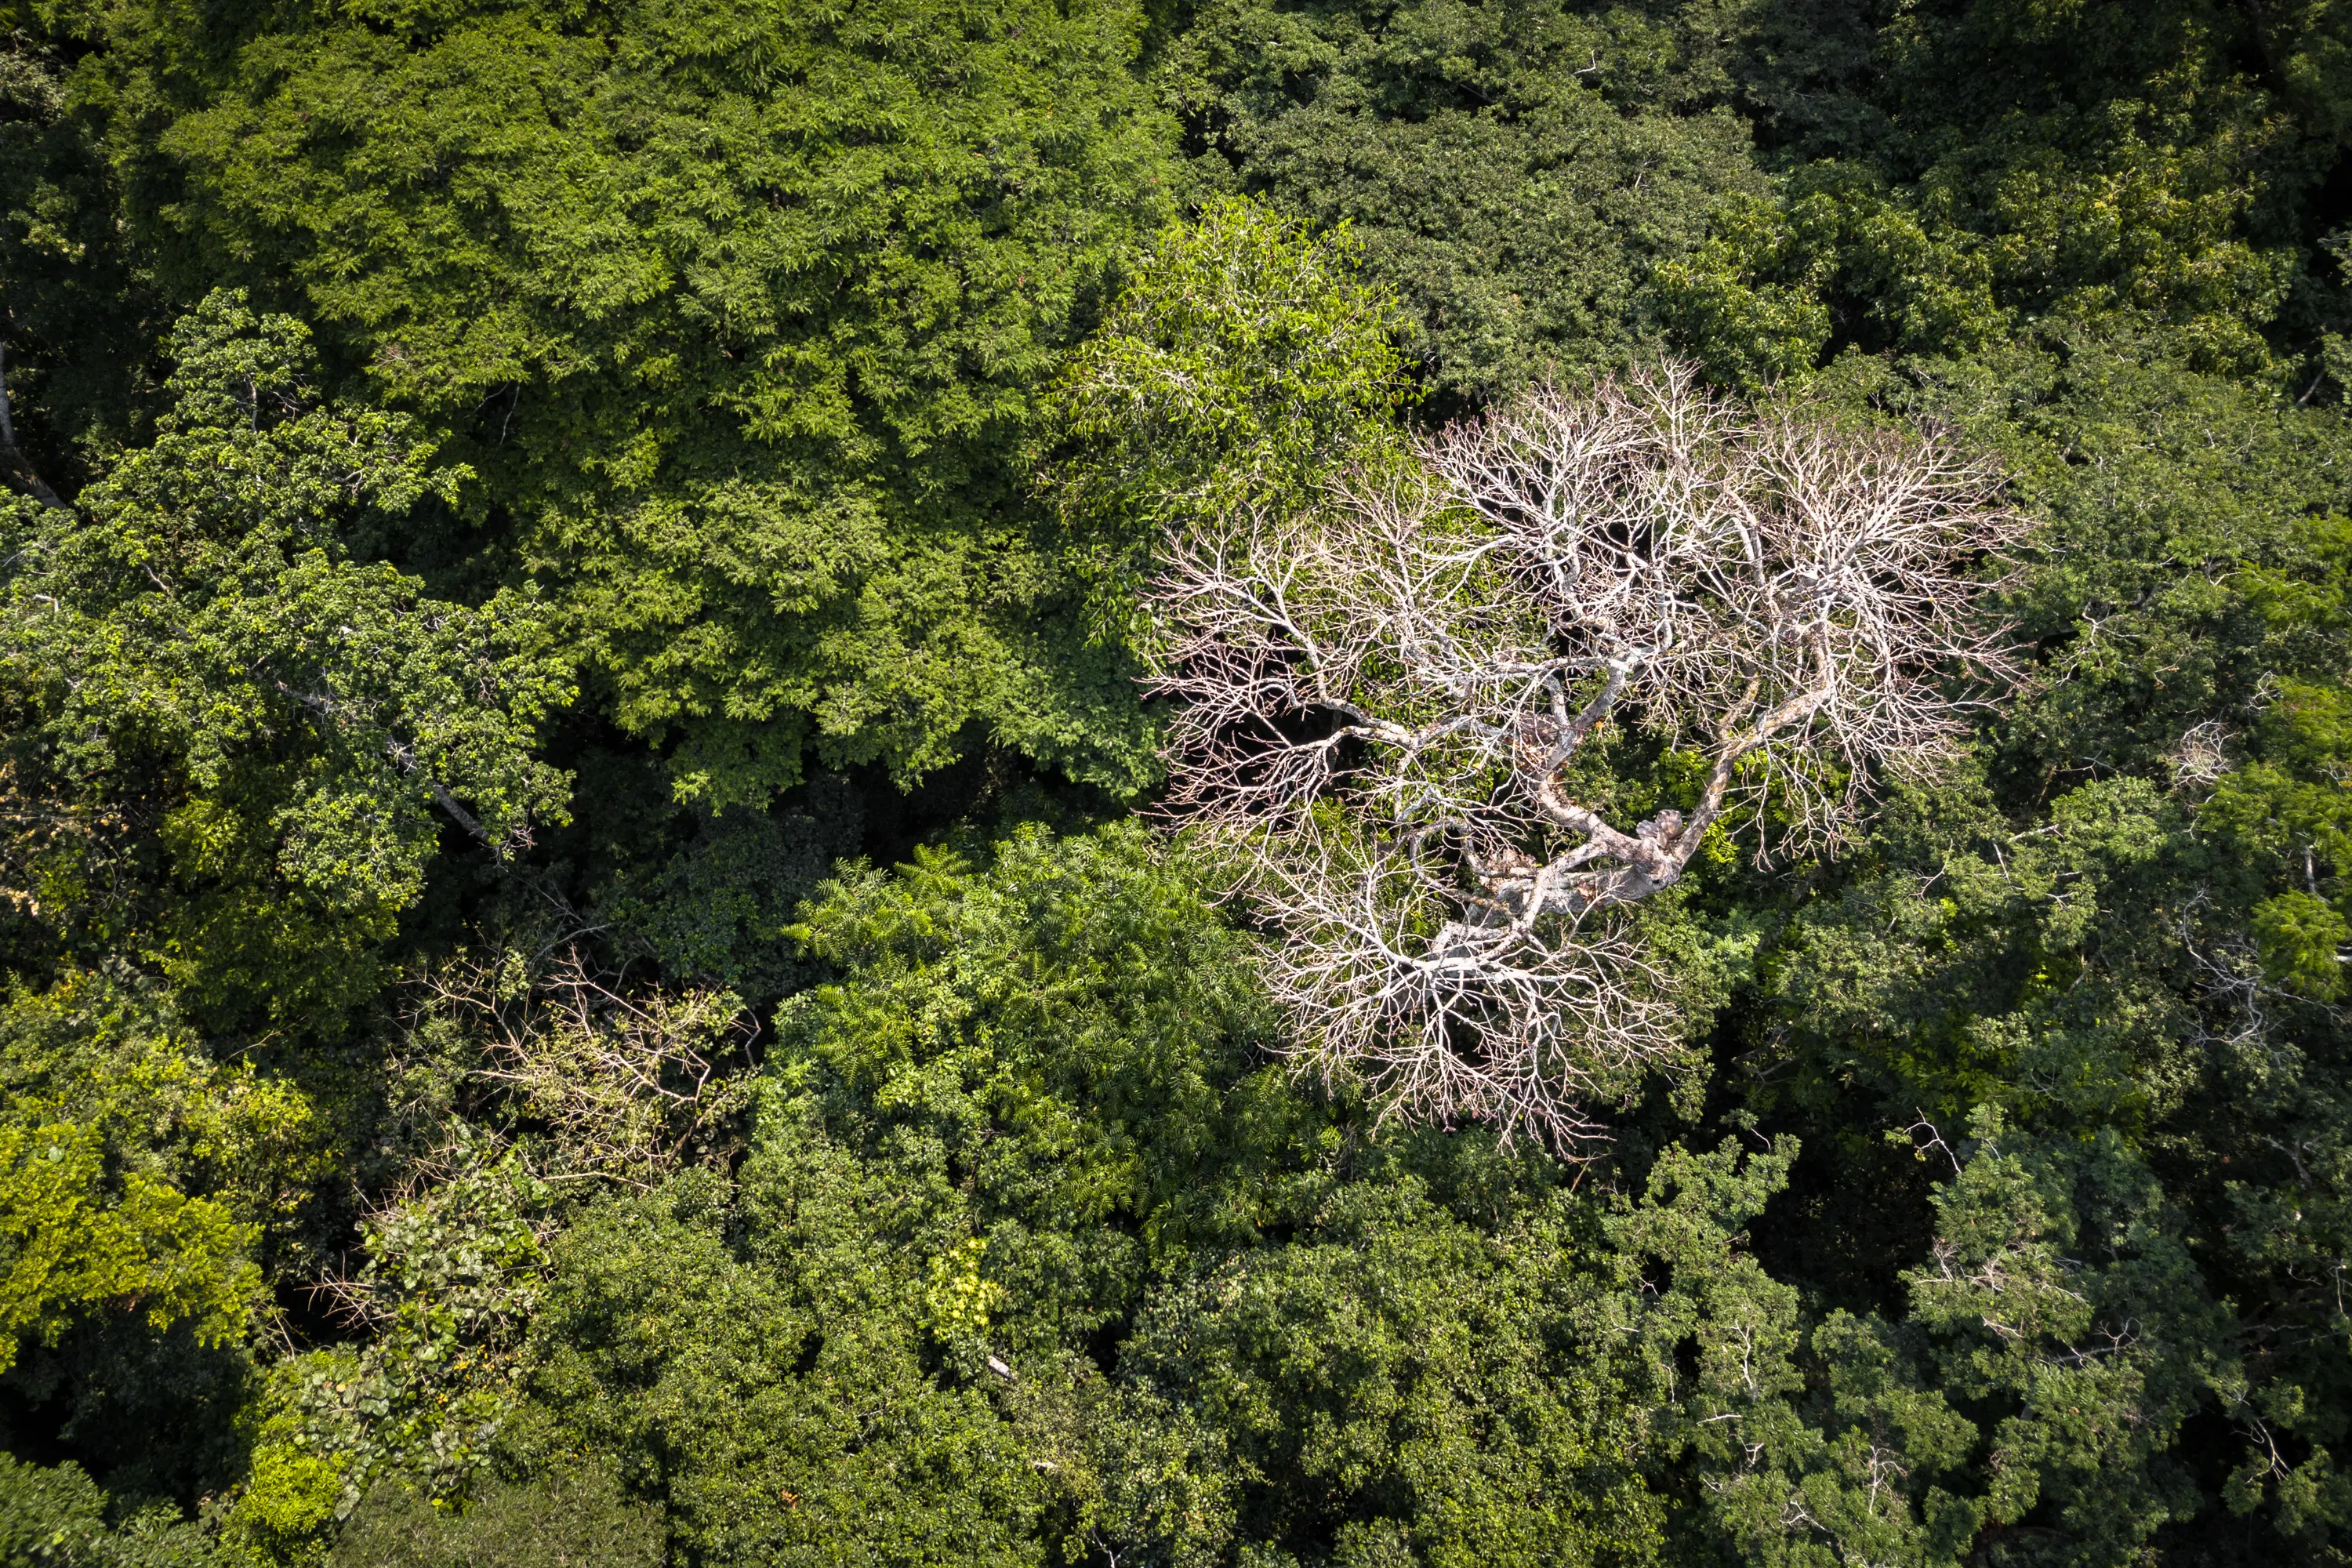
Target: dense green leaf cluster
{"points": [[737, 310], [195, 632], [1514, 172]]}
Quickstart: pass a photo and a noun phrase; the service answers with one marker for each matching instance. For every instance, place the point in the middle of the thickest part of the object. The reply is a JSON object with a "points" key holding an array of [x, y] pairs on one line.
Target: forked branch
{"points": [[1382, 701]]}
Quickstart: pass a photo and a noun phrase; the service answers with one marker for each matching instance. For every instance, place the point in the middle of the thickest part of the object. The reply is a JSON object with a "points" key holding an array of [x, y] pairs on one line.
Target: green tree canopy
{"points": [[741, 313], [194, 639], [1513, 171]]}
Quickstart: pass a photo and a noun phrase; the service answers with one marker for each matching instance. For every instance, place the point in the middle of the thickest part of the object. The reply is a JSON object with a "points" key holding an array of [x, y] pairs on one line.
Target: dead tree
{"points": [[628, 1085], [1383, 701]]}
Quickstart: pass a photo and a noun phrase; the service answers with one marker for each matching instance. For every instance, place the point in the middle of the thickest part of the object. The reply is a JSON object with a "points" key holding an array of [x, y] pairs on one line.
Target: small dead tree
{"points": [[629, 1086], [1382, 701]]}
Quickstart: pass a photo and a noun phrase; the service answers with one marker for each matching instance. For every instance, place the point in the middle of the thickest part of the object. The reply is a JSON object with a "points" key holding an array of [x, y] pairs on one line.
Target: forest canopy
{"points": [[1292, 784]]}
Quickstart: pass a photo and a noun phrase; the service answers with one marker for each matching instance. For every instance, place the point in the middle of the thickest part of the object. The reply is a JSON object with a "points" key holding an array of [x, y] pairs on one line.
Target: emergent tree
{"points": [[1385, 696]]}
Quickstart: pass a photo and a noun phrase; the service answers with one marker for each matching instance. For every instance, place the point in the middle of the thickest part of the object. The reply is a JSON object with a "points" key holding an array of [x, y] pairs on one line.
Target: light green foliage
{"points": [[520, 1088], [451, 1277], [145, 1185], [315, 720], [1036, 1053], [1763, 298], [152, 1194], [2285, 806], [1244, 366], [2301, 938], [287, 1502], [1513, 171], [948, 1163], [1245, 362], [137, 1175], [75, 1247], [741, 313]]}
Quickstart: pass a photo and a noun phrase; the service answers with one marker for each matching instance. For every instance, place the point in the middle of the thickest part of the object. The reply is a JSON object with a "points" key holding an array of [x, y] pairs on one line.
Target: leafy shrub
{"points": [[576, 1519]]}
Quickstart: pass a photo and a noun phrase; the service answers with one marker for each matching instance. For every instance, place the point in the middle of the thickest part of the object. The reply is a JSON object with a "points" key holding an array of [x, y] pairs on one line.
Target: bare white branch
{"points": [[1381, 699]]}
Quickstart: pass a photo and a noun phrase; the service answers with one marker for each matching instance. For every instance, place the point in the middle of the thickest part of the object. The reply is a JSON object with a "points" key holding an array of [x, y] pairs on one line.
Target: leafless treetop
{"points": [[1382, 700]]}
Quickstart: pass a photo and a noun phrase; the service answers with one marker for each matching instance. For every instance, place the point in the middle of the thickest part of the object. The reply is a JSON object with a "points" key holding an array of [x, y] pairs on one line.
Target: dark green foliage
{"points": [[59, 1516], [775, 1408], [80, 316], [564, 1522], [192, 645], [2103, 928], [720, 907], [1976, 166], [1513, 171], [1395, 1380], [2058, 1337], [950, 1160], [1034, 1256]]}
